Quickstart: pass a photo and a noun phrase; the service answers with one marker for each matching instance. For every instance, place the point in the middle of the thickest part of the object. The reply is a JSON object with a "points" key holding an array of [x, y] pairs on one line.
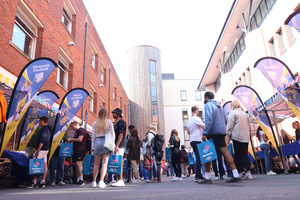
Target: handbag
{"points": [[88, 165], [109, 139], [207, 151], [148, 162], [36, 166], [66, 150], [114, 164], [191, 160]]}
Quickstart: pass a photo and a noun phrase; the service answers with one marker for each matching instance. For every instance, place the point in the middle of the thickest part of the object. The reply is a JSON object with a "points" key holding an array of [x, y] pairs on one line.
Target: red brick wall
{"points": [[53, 36]]}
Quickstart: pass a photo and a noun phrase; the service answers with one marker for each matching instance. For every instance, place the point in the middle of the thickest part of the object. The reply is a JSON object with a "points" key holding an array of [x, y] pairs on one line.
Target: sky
{"points": [[184, 31]]}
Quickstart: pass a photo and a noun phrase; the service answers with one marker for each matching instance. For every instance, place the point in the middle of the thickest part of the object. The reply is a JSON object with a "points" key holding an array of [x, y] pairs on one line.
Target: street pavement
{"points": [[261, 187]]}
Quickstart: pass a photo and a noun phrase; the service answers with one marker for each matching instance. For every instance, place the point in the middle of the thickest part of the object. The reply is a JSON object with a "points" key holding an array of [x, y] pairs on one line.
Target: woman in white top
{"points": [[238, 130], [265, 147], [103, 137]]}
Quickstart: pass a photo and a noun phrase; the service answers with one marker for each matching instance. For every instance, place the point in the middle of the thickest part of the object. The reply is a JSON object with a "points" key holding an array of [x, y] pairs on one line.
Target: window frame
{"points": [[67, 13], [181, 93], [197, 91]]}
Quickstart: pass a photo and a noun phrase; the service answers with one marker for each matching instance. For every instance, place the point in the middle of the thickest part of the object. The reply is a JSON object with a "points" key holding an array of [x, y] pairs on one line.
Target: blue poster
{"points": [[32, 118], [29, 82], [70, 105]]}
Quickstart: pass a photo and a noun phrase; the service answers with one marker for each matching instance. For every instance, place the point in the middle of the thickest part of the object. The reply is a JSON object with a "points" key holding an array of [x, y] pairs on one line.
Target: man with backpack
{"points": [[80, 141], [184, 161], [156, 142]]}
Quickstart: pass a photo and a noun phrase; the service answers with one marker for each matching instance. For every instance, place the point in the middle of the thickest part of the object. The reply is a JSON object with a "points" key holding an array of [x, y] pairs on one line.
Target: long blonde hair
{"points": [[174, 133], [101, 122]]}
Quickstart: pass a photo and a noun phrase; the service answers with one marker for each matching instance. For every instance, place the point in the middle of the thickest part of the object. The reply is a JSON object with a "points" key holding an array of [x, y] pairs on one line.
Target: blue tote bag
{"points": [[191, 160], [168, 153], [36, 166], [114, 164], [66, 150], [88, 165], [207, 151]]}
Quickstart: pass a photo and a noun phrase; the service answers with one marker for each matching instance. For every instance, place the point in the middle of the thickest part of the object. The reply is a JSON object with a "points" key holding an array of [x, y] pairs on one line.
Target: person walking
{"points": [[265, 147], [215, 128], [184, 162], [120, 132], [195, 129], [134, 146], [296, 126], [42, 150], [79, 149], [238, 130], [176, 154], [103, 143], [127, 174]]}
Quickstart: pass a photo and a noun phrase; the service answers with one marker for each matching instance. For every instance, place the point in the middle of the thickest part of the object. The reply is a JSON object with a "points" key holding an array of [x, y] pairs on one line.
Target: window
{"points": [[125, 113], [67, 15], [63, 69], [120, 102], [272, 44], [153, 100], [294, 34], [201, 115], [153, 83], [153, 91], [218, 83], [185, 119], [103, 73], [92, 99], [114, 92], [102, 102], [167, 76], [198, 95], [154, 112], [152, 72], [183, 95], [94, 58], [25, 31], [244, 79], [249, 78], [282, 41]]}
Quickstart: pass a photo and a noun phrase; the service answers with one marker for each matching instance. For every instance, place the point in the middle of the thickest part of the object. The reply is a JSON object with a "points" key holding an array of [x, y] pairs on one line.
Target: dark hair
{"points": [[209, 94], [45, 119], [194, 108], [131, 127], [135, 135], [257, 133]]}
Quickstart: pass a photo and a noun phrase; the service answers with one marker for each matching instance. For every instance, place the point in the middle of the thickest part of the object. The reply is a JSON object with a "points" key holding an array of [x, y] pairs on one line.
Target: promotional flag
{"points": [[279, 75], [32, 116], [29, 82], [251, 101], [70, 105], [294, 20], [227, 107]]}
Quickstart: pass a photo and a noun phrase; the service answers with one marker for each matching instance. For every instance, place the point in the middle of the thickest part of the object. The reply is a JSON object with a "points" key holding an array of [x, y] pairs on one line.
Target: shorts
{"points": [[99, 148], [120, 152], [42, 154], [219, 140], [79, 155]]}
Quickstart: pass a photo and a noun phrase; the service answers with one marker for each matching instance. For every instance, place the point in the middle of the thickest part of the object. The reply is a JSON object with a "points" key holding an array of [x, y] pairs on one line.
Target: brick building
{"points": [[56, 29]]}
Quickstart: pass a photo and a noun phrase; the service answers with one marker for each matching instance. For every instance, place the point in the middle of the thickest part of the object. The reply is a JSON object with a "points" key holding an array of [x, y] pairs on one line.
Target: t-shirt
{"points": [[120, 127], [194, 125], [261, 133], [79, 145]]}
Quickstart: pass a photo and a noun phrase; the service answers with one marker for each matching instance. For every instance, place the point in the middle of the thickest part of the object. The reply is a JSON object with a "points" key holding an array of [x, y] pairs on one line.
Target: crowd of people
{"points": [[142, 155]]}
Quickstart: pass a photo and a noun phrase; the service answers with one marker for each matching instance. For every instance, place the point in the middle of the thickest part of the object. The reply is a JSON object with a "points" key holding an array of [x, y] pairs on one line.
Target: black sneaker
{"points": [[197, 179], [42, 185], [205, 181], [80, 183], [232, 179], [32, 185]]}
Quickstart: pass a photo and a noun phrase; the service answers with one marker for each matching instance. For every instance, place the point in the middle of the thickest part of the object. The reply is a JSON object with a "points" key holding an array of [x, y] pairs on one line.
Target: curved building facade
{"points": [[145, 89]]}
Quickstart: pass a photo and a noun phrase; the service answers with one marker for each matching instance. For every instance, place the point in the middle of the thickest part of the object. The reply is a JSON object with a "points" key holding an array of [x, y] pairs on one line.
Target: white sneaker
{"points": [[53, 183], [183, 176], [271, 173], [101, 184], [249, 176], [174, 179], [94, 184], [120, 183], [62, 183], [136, 181], [179, 179], [217, 178]]}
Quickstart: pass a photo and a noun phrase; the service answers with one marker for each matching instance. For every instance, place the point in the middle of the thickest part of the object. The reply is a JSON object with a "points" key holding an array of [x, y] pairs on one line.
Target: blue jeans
{"points": [[156, 167], [198, 161], [58, 164], [149, 174], [266, 149]]}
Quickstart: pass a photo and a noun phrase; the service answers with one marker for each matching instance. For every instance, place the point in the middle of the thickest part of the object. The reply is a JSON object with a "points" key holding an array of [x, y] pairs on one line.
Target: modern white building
{"points": [[179, 97], [253, 29]]}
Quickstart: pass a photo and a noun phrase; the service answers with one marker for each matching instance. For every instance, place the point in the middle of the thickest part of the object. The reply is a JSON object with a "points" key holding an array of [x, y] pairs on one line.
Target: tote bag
{"points": [[148, 162], [207, 151], [114, 164], [191, 160], [36, 166], [88, 165], [66, 150]]}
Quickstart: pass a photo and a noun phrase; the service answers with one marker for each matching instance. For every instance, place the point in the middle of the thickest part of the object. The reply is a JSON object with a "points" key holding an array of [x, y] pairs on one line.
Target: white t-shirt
{"points": [[194, 125], [261, 137]]}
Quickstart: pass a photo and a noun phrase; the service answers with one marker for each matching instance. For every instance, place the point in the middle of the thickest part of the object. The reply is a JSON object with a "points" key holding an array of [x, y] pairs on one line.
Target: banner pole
{"points": [[253, 149]]}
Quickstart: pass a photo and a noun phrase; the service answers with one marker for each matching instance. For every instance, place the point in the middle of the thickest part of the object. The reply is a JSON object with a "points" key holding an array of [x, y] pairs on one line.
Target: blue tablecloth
{"points": [[287, 150]]}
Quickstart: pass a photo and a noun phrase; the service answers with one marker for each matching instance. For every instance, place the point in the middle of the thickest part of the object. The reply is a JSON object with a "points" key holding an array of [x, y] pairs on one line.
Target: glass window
{"points": [[183, 95], [201, 114], [62, 74], [273, 48], [198, 95], [154, 112], [152, 67], [294, 34], [281, 37], [263, 8], [67, 20], [153, 100], [93, 60], [270, 3], [102, 75], [153, 91], [91, 101], [258, 17], [238, 50], [242, 44], [253, 23], [114, 92], [153, 78]]}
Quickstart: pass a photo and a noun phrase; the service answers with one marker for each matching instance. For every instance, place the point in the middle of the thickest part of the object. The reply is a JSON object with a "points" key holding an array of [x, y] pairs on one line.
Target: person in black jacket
{"points": [[176, 154], [42, 149]]}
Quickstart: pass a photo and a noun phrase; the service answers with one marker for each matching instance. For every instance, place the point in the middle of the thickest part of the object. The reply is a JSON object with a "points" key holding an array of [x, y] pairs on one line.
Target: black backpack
{"points": [[185, 156], [158, 142], [88, 142]]}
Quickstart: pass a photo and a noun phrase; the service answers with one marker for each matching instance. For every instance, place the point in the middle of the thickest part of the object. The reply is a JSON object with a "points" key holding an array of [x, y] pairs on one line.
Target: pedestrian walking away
{"points": [[176, 154]]}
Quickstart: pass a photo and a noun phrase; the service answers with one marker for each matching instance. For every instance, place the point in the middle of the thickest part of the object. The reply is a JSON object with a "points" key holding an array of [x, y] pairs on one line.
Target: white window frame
{"points": [[102, 102], [31, 22], [70, 11], [92, 92], [114, 91], [182, 99], [66, 61], [94, 52], [197, 91]]}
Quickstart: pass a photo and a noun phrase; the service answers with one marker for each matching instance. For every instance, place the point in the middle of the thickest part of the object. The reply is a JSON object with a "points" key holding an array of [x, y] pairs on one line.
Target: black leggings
{"points": [[241, 157], [176, 156]]}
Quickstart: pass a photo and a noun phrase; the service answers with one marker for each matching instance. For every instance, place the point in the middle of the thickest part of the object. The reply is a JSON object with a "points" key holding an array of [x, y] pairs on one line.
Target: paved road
{"points": [[261, 187]]}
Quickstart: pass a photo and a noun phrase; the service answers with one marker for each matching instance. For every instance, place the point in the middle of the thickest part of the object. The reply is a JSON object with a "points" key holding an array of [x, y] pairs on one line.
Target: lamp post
{"points": [[84, 61], [109, 92]]}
